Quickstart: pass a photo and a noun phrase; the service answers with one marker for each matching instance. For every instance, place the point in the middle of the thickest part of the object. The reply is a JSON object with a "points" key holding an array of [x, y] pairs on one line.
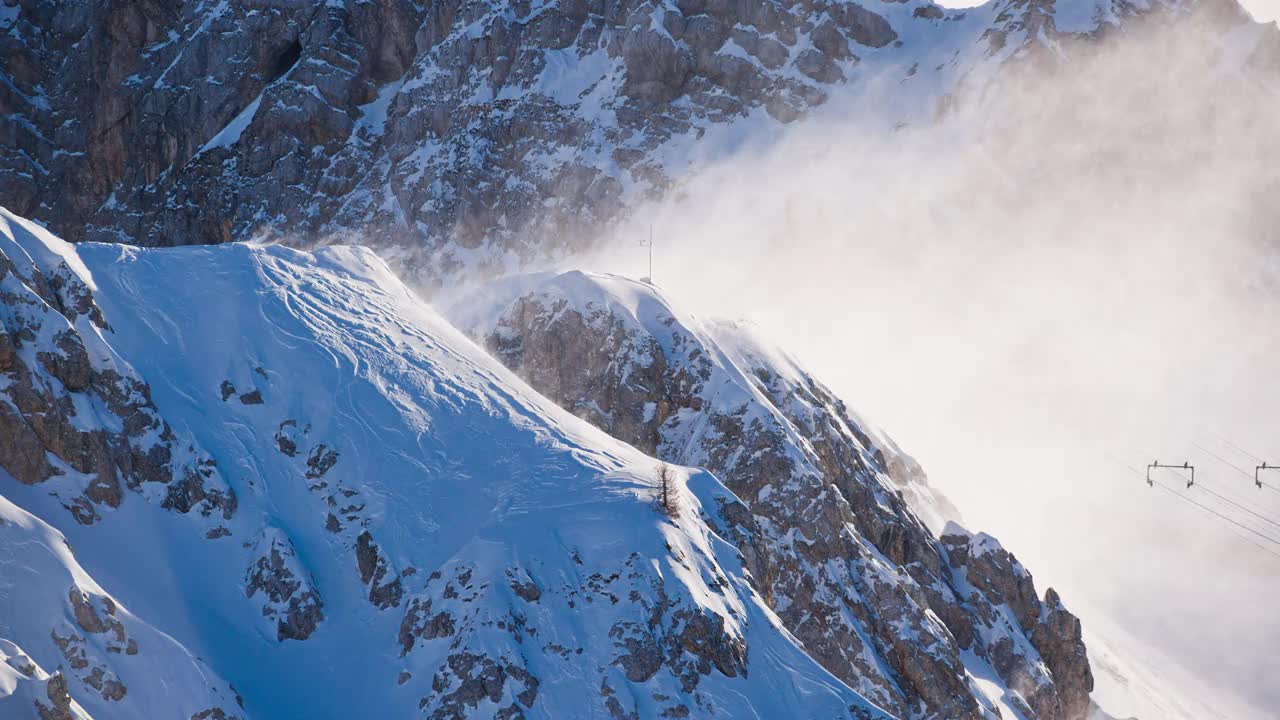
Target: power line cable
{"points": [[1200, 484], [1235, 467], [1238, 449], [1236, 504], [1180, 496], [1224, 461], [1202, 506], [1252, 542]]}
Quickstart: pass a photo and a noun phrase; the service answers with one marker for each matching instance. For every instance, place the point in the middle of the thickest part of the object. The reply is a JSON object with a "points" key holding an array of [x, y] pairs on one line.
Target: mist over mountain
{"points": [[337, 381], [462, 135]]}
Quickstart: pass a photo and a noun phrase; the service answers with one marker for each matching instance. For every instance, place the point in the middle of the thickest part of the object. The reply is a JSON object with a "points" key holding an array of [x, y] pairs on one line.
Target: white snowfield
{"points": [[509, 540], [43, 590], [416, 532]]}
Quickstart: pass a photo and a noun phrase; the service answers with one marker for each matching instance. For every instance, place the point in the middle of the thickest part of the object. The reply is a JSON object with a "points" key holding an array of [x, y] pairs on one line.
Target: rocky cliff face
{"points": [[410, 521], [909, 619], [495, 557], [74, 417], [203, 122], [455, 134]]}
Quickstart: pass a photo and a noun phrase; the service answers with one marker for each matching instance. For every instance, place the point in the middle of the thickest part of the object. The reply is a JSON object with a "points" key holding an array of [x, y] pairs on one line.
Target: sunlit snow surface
{"points": [[456, 464]]}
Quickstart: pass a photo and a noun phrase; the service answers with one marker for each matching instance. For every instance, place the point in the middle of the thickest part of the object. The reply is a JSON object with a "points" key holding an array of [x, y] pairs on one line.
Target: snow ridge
{"points": [[401, 499]]}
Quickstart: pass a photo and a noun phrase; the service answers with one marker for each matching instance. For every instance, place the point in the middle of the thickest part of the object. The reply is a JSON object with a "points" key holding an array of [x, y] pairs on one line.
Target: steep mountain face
{"points": [[292, 469], [911, 621], [77, 419], [452, 134], [494, 557], [71, 650], [415, 532]]}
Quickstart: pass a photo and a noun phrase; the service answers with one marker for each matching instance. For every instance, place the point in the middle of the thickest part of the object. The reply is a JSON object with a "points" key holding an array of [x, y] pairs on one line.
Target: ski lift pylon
{"points": [[1184, 466], [1264, 466]]}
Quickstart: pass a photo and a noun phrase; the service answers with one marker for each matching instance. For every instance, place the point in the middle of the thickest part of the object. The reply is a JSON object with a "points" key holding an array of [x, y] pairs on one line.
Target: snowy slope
{"points": [[1139, 681], [54, 618], [518, 318], [384, 505], [448, 542], [839, 553], [528, 321], [744, 370]]}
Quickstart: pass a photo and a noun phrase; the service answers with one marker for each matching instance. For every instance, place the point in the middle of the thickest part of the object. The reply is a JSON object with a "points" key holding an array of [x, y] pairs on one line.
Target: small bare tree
{"points": [[667, 503]]}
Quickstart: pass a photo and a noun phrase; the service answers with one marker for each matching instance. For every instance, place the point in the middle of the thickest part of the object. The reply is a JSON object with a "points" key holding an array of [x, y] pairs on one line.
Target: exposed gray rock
{"points": [[420, 623], [1058, 638], [828, 537], [319, 462], [318, 114], [289, 596], [286, 437], [88, 666], [818, 66], [51, 322], [444, 130], [374, 569], [214, 714], [59, 707], [1035, 647], [470, 679]]}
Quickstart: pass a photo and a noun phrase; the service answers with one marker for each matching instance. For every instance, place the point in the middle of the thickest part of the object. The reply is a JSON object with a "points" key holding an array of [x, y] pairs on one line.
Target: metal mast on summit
{"points": [[649, 244]]}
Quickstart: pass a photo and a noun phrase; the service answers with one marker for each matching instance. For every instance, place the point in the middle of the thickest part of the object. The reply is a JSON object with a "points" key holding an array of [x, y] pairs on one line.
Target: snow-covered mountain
{"points": [[297, 477], [409, 530], [245, 480], [467, 134], [348, 507], [844, 559], [63, 632]]}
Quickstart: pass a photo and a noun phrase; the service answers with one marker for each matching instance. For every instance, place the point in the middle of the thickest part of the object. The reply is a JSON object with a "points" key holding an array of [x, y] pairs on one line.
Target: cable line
{"points": [[1238, 449], [1179, 495], [1238, 505], [1224, 461], [1252, 542], [1246, 453]]}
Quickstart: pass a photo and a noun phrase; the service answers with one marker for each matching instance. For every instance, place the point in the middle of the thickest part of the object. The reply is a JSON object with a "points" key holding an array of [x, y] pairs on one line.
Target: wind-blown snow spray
{"points": [[1073, 268]]}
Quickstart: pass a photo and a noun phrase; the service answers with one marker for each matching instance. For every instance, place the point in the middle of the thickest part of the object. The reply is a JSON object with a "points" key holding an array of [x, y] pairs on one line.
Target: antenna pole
{"points": [[649, 244]]}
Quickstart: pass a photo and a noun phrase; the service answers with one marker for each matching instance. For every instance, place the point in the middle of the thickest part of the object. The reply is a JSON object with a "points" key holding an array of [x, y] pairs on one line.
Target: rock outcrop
{"points": [[409, 512], [845, 562], [289, 599], [69, 650], [461, 134], [74, 416], [387, 115]]}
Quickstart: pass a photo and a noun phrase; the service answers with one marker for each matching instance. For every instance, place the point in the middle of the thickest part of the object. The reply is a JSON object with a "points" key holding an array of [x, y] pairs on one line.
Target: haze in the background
{"points": [[1262, 10], [1065, 282]]}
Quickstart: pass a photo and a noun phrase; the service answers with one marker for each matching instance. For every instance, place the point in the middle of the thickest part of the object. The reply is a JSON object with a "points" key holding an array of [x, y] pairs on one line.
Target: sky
{"points": [[1034, 383], [1262, 10], [1036, 299]]}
